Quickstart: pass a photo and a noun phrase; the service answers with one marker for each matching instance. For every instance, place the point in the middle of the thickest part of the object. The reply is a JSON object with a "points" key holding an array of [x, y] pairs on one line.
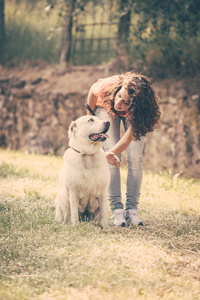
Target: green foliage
{"points": [[181, 15], [164, 37], [30, 32]]}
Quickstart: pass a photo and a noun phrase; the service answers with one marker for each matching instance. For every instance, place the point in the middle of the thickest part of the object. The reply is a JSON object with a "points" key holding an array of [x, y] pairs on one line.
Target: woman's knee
{"points": [[135, 152], [135, 161]]}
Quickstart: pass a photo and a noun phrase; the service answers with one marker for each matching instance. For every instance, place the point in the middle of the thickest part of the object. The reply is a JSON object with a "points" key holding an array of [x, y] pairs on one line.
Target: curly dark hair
{"points": [[143, 110]]}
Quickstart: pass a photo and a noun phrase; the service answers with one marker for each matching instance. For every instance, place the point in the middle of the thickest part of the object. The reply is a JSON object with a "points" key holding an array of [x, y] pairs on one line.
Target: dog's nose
{"points": [[107, 124]]}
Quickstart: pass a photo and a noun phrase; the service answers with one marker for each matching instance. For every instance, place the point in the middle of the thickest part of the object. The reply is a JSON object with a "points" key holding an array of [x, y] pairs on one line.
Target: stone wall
{"points": [[175, 144], [37, 119]]}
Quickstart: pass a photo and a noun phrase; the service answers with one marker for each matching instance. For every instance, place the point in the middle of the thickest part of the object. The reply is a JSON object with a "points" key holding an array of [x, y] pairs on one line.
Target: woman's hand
{"points": [[112, 159]]}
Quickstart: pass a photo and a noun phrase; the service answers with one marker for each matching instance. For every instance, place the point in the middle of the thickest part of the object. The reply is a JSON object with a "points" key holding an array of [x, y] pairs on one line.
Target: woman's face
{"points": [[122, 100]]}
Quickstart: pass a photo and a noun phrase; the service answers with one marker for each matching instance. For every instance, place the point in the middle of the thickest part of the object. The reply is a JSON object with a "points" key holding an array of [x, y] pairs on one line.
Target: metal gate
{"points": [[94, 32]]}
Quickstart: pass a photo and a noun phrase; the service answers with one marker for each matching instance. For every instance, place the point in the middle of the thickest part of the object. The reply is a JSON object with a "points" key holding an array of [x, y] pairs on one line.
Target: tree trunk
{"points": [[67, 34], [124, 24], [2, 26]]}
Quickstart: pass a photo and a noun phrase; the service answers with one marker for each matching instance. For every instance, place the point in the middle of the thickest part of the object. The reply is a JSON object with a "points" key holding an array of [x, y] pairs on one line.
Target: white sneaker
{"points": [[118, 217], [132, 218]]}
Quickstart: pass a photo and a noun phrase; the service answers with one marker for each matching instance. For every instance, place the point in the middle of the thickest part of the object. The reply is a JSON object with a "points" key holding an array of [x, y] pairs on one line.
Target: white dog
{"points": [[85, 176]]}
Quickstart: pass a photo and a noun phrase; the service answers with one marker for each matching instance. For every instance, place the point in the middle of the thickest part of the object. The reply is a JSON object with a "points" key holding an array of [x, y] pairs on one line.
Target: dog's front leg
{"points": [[74, 201], [103, 209], [62, 205]]}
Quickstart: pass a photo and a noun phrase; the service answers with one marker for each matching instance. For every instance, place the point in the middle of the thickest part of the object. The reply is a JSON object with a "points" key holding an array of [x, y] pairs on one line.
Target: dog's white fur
{"points": [[85, 176]]}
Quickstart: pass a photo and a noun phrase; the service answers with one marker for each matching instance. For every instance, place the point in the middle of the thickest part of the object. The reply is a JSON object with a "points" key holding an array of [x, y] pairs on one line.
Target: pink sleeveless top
{"points": [[102, 86]]}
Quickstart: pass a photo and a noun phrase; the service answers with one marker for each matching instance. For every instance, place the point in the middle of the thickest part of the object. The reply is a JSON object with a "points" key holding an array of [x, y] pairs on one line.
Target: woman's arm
{"points": [[123, 142], [92, 99], [118, 148]]}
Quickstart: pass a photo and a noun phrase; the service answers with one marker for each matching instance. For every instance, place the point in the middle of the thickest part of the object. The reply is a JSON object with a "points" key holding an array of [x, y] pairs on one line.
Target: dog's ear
{"points": [[72, 128]]}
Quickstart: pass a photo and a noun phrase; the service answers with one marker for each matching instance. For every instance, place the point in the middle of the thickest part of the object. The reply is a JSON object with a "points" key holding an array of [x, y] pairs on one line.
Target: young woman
{"points": [[128, 98]]}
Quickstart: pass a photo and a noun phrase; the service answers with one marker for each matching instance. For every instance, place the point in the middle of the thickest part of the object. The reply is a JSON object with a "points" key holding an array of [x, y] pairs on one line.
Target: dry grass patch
{"points": [[42, 259]]}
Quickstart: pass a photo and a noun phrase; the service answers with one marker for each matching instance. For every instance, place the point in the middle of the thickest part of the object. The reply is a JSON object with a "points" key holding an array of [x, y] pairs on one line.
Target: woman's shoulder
{"points": [[110, 79], [104, 83]]}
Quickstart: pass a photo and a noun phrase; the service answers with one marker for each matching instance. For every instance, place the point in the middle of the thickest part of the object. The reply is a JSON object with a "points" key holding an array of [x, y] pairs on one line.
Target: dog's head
{"points": [[86, 133]]}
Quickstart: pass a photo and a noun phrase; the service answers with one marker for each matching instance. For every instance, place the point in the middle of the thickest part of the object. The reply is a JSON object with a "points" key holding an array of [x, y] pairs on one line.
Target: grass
{"points": [[43, 259]]}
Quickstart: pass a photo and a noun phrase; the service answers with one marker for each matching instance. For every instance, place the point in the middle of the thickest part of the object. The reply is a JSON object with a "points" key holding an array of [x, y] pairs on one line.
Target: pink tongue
{"points": [[103, 135], [95, 136]]}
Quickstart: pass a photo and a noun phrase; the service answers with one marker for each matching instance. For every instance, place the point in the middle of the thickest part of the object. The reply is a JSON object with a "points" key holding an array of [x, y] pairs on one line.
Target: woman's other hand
{"points": [[112, 159]]}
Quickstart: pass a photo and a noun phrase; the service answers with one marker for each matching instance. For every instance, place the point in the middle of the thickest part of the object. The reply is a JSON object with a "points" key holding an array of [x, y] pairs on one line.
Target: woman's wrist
{"points": [[112, 159]]}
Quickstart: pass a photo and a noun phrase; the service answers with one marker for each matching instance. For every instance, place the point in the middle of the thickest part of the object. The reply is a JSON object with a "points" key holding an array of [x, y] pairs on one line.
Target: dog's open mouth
{"points": [[102, 136], [98, 137]]}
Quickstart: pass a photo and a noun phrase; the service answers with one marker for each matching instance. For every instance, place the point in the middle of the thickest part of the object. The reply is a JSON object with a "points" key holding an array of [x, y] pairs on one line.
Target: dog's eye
{"points": [[90, 120]]}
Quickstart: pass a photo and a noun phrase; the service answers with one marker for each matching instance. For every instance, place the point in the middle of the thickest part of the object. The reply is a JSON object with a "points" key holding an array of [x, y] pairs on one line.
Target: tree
{"points": [[2, 26], [68, 9], [124, 22], [67, 33]]}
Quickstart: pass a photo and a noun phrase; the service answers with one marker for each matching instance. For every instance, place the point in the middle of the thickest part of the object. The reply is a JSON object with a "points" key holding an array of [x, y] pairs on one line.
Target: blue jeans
{"points": [[134, 164]]}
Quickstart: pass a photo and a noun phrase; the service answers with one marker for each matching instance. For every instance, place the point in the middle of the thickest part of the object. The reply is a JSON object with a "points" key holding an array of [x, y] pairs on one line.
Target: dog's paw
{"points": [[76, 223], [104, 223], [59, 215], [59, 218]]}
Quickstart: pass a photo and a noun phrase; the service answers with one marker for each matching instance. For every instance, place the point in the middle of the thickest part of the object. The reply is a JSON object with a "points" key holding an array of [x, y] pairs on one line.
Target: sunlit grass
{"points": [[43, 259]]}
